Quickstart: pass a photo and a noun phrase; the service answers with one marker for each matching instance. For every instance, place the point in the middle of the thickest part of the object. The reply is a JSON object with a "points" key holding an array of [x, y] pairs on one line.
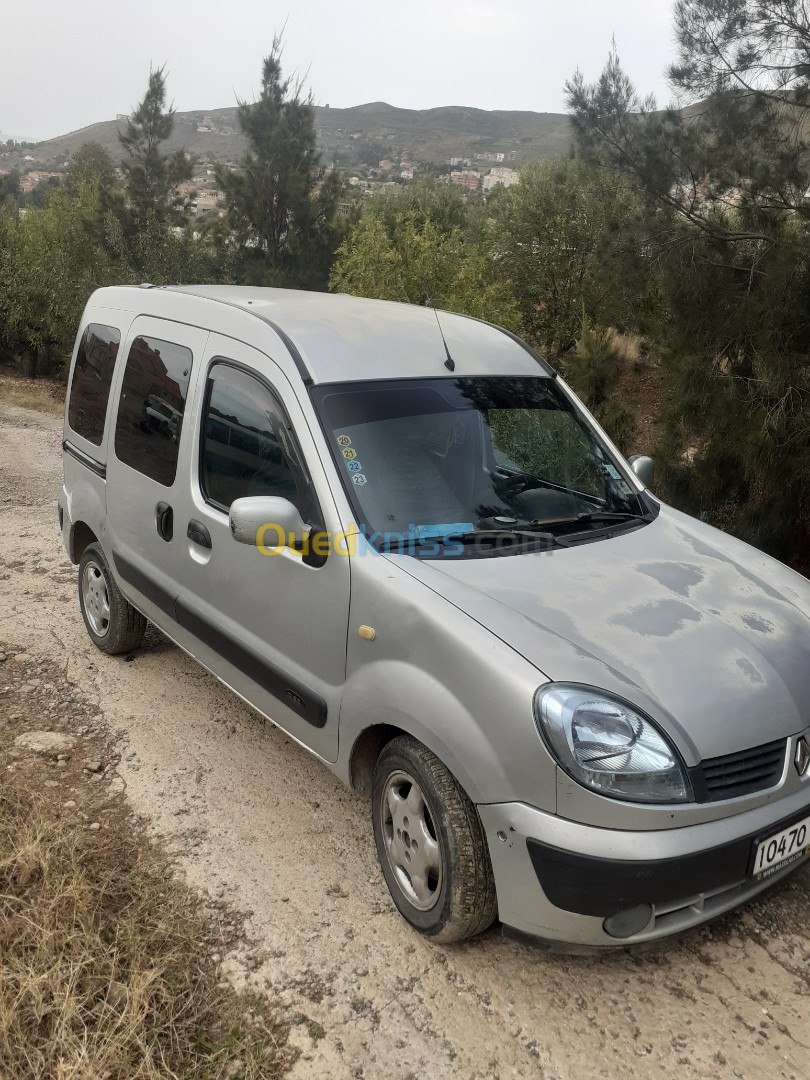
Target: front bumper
{"points": [[560, 880]]}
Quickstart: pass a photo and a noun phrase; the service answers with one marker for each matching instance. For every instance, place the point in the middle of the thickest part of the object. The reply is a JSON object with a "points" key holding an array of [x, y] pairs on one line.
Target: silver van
{"points": [[397, 534]]}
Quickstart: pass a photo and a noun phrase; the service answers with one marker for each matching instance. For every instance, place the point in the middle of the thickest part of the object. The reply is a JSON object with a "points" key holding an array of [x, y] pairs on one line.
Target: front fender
{"points": [[486, 747]]}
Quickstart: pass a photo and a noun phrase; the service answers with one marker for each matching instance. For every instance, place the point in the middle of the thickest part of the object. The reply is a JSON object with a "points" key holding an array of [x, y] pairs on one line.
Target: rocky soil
{"points": [[265, 832]]}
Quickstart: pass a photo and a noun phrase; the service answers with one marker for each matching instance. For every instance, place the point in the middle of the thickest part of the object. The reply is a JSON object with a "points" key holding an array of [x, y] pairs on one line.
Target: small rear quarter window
{"points": [[92, 376]]}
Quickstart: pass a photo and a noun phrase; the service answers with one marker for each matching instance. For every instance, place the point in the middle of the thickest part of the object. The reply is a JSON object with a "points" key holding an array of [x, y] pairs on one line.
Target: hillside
{"points": [[364, 133]]}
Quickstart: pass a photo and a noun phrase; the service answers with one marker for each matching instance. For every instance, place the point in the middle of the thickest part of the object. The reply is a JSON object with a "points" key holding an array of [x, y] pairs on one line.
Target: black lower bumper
{"points": [[588, 885]]}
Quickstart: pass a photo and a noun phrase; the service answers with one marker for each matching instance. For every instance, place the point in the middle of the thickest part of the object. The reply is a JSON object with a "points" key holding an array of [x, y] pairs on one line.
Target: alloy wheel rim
{"points": [[411, 841], [95, 599]]}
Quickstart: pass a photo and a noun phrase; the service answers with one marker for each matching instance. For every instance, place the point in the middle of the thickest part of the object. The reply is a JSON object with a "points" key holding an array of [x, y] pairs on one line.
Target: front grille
{"points": [[742, 773]]}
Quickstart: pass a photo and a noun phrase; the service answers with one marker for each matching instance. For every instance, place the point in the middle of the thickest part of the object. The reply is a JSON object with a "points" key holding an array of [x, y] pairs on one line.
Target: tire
{"points": [[113, 624], [430, 843]]}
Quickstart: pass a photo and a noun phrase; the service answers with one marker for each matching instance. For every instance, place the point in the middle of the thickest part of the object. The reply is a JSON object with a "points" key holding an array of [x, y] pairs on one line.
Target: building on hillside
{"points": [[208, 200], [466, 178], [30, 180], [383, 188], [500, 176]]}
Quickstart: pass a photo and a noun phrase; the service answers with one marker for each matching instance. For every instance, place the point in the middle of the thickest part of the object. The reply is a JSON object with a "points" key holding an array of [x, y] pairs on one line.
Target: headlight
{"points": [[608, 746]]}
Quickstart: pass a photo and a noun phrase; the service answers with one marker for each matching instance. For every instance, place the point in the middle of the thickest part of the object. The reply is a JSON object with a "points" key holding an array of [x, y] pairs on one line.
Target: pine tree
{"points": [[282, 201], [725, 181], [152, 176]]}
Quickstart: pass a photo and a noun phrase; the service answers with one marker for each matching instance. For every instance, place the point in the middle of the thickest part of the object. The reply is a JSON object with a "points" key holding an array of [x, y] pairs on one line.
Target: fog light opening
{"points": [[626, 923]]}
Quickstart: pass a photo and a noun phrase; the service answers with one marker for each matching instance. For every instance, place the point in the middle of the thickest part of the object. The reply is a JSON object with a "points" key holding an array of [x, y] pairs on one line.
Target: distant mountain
{"points": [[364, 133]]}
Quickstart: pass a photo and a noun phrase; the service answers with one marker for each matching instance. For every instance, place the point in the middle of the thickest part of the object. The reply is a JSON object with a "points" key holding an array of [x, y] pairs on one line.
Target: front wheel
{"points": [[113, 624], [430, 844]]}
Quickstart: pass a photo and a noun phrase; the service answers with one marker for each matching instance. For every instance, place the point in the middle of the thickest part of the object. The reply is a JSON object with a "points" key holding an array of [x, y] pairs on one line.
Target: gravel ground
{"points": [[256, 823]]}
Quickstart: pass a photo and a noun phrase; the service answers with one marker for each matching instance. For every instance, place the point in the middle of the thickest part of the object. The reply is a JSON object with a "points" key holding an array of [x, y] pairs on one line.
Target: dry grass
{"points": [[628, 347], [104, 960], [43, 395]]}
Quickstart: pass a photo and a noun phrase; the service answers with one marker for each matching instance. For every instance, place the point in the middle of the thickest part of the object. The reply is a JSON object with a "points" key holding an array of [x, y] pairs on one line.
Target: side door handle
{"points": [[198, 533], [164, 521]]}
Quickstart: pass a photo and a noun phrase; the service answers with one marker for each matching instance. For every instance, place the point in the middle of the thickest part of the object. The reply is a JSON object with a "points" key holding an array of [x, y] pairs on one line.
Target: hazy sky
{"points": [[65, 64]]}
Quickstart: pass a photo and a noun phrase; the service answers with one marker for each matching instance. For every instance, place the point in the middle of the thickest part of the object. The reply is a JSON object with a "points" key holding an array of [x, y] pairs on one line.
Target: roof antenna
{"points": [[449, 363]]}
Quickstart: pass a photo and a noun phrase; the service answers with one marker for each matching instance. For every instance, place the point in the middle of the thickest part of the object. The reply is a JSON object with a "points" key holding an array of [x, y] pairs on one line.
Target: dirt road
{"points": [[255, 820]]}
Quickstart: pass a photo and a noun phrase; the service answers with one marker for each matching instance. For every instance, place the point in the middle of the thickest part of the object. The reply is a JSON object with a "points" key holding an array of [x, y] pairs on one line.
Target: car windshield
{"points": [[462, 457]]}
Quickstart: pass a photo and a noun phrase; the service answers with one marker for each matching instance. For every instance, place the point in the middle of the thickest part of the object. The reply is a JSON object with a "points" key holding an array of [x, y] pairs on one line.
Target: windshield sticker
{"points": [[456, 528], [359, 479], [353, 466], [344, 440], [350, 453], [612, 471]]}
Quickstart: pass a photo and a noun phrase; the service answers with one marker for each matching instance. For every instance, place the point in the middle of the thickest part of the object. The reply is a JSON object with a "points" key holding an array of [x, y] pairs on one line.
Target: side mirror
{"points": [[267, 521], [643, 467]]}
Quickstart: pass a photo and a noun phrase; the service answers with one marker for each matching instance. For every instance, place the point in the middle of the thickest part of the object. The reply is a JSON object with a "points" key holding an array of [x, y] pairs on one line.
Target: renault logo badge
{"points": [[801, 759]]}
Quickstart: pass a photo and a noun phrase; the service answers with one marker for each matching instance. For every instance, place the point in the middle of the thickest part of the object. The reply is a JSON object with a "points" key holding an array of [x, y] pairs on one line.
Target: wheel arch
{"points": [[83, 503], [393, 698], [81, 536], [365, 751]]}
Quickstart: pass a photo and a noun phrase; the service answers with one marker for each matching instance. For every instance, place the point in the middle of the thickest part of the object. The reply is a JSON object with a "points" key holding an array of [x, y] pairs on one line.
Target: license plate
{"points": [[786, 846]]}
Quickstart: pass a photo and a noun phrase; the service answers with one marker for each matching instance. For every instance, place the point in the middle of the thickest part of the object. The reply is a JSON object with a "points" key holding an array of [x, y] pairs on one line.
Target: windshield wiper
{"points": [[589, 516], [520, 536], [475, 536]]}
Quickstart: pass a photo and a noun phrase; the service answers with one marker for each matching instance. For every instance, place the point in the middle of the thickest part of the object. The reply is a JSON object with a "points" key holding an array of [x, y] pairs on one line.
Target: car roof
{"points": [[337, 338]]}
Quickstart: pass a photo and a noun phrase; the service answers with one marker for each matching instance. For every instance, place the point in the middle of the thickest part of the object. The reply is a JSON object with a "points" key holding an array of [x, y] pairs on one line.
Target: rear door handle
{"points": [[198, 534]]}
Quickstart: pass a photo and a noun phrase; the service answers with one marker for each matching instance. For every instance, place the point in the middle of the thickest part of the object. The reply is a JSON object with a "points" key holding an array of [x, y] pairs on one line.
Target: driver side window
{"points": [[246, 448]]}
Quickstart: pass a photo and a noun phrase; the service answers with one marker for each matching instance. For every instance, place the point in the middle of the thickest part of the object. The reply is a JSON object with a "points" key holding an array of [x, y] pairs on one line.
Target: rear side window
{"points": [[150, 412], [246, 449], [92, 376]]}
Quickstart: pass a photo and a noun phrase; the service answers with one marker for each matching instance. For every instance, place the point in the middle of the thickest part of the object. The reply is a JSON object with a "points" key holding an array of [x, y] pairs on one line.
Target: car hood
{"points": [[706, 634]]}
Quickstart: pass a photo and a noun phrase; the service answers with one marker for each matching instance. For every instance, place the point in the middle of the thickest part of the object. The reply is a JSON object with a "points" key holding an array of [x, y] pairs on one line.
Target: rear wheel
{"points": [[113, 624], [430, 844]]}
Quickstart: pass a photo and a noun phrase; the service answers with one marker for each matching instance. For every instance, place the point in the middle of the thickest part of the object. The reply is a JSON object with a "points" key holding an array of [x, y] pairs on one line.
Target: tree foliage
{"points": [[593, 368], [79, 239], [568, 238], [428, 201], [418, 248], [92, 163], [759, 46], [10, 188], [282, 202], [731, 163], [725, 181], [151, 176], [48, 270]]}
